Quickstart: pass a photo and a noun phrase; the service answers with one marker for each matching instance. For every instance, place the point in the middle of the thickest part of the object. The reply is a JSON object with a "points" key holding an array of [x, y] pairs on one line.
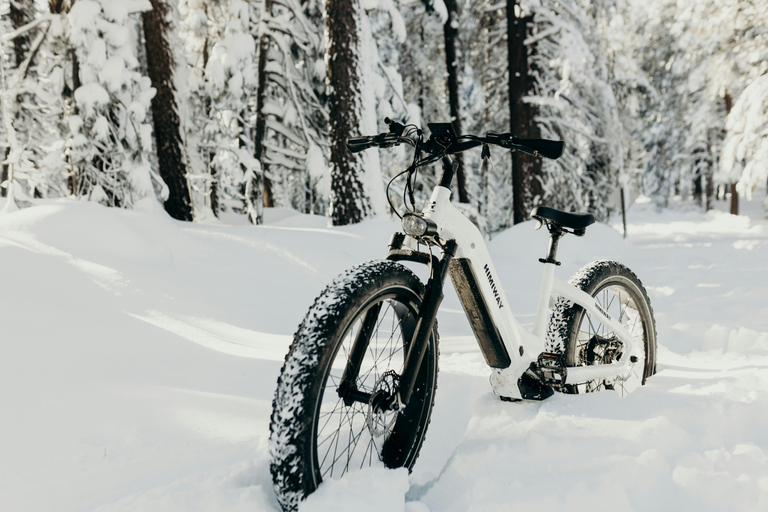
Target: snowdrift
{"points": [[140, 355]]}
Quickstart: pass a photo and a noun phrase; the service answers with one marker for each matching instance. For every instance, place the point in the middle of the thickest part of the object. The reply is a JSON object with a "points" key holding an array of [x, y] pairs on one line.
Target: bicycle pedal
{"points": [[532, 387], [551, 370]]}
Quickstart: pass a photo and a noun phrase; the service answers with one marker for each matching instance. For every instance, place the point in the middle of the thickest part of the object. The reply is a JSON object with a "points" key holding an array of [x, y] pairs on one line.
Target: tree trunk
{"points": [[73, 180], [526, 170], [349, 203], [261, 120], [451, 33], [734, 193], [698, 190], [173, 170], [210, 167], [734, 200], [254, 202], [4, 173]]}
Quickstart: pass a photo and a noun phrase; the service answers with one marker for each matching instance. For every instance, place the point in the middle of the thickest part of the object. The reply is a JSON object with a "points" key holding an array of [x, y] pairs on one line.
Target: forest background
{"points": [[224, 107]]}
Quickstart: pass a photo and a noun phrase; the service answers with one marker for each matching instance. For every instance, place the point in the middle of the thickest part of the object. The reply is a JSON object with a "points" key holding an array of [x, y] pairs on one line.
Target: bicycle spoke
{"points": [[344, 440]]}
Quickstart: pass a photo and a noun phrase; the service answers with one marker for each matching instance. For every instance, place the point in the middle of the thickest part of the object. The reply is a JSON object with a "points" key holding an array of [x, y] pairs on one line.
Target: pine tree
{"points": [[422, 67], [576, 103], [484, 40], [567, 94], [526, 170], [291, 134], [217, 119], [37, 103], [157, 26], [110, 139], [697, 57], [451, 35], [20, 13], [350, 201]]}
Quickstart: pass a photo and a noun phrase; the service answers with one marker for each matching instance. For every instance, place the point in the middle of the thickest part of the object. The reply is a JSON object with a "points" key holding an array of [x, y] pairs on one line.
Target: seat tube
{"points": [[547, 283], [545, 292]]}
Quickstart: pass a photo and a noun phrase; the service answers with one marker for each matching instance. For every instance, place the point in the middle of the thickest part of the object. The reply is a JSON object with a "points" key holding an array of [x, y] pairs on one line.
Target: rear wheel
{"points": [[584, 340], [324, 426]]}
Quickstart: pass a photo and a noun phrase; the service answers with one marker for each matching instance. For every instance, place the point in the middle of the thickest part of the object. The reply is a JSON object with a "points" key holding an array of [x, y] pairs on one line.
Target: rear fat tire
{"points": [[305, 390], [571, 326]]}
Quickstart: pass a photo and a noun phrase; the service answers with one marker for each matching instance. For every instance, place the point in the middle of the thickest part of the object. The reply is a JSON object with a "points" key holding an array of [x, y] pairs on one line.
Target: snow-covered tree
{"points": [[363, 87], [39, 92], [217, 120], [741, 66], [700, 56], [745, 153], [421, 65], [576, 104], [110, 138], [16, 64], [291, 134], [571, 89]]}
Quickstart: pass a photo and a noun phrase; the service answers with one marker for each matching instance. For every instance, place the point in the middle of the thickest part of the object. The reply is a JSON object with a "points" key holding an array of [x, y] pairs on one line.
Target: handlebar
{"points": [[551, 149], [382, 140]]}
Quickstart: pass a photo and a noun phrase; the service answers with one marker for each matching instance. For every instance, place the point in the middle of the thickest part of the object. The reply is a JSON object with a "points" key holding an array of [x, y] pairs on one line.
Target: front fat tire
{"points": [[305, 389], [570, 324]]}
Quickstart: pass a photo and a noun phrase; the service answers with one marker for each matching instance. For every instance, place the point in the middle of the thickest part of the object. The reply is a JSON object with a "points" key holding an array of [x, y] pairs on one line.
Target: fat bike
{"points": [[358, 384]]}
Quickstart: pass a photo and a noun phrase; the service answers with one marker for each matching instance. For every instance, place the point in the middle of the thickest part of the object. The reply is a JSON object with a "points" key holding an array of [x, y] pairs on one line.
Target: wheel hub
{"points": [[384, 404], [602, 350]]}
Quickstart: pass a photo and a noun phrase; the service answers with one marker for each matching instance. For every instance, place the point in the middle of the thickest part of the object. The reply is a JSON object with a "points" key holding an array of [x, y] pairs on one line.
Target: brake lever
{"points": [[395, 126]]}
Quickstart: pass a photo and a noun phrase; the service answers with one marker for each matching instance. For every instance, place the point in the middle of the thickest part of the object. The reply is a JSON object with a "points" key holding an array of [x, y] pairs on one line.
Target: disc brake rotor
{"points": [[383, 405]]}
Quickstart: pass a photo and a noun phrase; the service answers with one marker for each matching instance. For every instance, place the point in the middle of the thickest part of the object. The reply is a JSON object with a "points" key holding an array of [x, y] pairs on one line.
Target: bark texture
{"points": [[734, 192], [261, 120], [170, 154], [349, 203], [526, 169], [451, 32]]}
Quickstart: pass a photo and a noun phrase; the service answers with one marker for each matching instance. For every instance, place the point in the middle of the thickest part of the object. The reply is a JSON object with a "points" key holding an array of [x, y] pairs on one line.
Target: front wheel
{"points": [[325, 424], [584, 340]]}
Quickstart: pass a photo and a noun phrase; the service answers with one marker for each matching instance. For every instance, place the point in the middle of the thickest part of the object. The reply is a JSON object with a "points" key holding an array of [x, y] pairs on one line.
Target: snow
{"points": [[141, 356]]}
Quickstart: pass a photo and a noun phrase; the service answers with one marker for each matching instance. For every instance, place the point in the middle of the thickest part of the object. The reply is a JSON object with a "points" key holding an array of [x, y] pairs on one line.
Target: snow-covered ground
{"points": [[140, 356]]}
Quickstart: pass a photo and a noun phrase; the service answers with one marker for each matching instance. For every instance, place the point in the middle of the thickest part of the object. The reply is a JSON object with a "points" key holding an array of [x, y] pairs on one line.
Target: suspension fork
{"points": [[417, 348], [433, 296]]}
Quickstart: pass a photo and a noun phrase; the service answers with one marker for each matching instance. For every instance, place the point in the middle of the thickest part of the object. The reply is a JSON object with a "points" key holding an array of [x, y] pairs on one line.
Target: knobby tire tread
{"points": [[293, 407], [564, 321]]}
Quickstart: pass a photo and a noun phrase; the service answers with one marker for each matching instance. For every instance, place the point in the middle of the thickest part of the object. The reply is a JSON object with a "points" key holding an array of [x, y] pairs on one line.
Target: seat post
{"points": [[547, 280], [555, 234]]}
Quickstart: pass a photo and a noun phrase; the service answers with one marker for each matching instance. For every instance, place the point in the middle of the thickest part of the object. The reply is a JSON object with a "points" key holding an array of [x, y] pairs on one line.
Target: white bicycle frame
{"points": [[522, 346]]}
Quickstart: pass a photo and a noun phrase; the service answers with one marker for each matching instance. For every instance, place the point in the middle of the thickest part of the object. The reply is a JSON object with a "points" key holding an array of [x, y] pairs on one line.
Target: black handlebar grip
{"points": [[358, 144], [552, 149]]}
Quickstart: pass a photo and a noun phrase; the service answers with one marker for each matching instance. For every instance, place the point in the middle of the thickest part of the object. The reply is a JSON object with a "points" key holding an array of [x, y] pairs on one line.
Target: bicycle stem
{"points": [[449, 170]]}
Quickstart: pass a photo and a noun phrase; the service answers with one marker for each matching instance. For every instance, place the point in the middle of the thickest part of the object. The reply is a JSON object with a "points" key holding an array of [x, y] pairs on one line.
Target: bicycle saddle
{"points": [[576, 221]]}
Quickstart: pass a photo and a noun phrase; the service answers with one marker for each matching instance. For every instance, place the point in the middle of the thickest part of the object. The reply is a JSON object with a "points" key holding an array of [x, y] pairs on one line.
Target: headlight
{"points": [[418, 226]]}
